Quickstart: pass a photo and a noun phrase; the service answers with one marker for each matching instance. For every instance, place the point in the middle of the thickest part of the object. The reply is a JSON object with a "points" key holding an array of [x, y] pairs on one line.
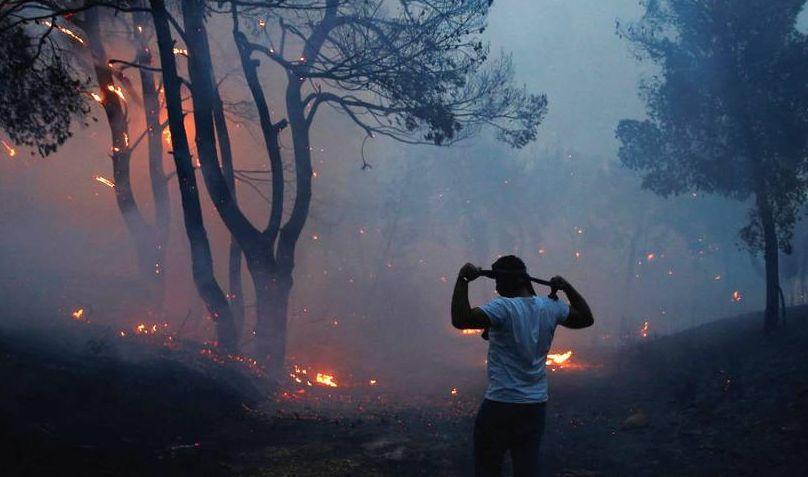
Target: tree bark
{"points": [[272, 290], [201, 259], [771, 318], [115, 112], [157, 176]]}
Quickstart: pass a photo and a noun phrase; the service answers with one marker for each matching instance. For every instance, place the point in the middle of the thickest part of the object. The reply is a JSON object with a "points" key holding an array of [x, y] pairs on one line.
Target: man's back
{"points": [[521, 332]]}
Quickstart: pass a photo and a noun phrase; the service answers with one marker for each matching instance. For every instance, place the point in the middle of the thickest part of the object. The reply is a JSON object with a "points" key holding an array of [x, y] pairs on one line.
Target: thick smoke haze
{"points": [[379, 255]]}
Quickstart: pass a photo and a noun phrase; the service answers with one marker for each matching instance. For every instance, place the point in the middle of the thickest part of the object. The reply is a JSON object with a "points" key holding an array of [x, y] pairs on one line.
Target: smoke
{"points": [[378, 258]]}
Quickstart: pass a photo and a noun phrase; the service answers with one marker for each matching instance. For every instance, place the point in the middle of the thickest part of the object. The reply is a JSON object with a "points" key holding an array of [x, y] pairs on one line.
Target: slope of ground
{"points": [[721, 399]]}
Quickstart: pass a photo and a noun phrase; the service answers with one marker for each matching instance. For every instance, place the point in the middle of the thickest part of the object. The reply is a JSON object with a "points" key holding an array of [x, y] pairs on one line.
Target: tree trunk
{"points": [[771, 257], [272, 292], [154, 130], [201, 259], [116, 115], [234, 263]]}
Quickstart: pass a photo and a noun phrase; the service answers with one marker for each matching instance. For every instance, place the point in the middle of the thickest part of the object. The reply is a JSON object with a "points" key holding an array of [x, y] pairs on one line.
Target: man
{"points": [[520, 329]]}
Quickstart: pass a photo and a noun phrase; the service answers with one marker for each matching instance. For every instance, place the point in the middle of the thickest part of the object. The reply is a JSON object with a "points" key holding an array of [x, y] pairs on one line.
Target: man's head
{"points": [[515, 282]]}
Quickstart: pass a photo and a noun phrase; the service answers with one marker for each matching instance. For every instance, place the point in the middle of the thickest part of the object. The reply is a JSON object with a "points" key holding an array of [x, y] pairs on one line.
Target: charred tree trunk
{"points": [[771, 318], [202, 261], [157, 176], [272, 290], [234, 256], [116, 114]]}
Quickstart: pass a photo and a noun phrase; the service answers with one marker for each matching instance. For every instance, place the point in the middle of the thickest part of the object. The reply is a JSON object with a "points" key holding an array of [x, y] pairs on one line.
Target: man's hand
{"points": [[580, 314], [469, 272], [559, 283]]}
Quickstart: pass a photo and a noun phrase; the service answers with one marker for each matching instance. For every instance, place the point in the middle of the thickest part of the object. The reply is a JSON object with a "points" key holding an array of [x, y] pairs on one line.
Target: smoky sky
{"points": [[382, 246]]}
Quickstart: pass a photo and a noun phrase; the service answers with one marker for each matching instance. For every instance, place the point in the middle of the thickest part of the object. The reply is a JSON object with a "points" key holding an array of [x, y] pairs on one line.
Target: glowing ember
{"points": [[167, 136], [117, 90], [67, 32], [470, 332], [146, 329], [736, 296], [78, 315], [105, 181], [650, 256], [558, 358], [180, 51], [9, 150], [372, 382], [262, 23], [326, 380], [644, 330], [97, 97], [453, 392]]}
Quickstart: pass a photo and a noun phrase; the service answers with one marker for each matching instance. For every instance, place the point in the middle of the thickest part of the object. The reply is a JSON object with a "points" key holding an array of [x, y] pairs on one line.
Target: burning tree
{"points": [[414, 73], [40, 105], [727, 114]]}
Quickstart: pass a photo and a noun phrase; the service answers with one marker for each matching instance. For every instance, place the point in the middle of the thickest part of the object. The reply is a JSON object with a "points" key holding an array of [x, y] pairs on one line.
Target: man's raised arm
{"points": [[580, 314], [465, 317]]}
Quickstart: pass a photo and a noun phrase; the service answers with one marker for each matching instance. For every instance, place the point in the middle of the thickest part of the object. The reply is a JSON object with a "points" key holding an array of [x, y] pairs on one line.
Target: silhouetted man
{"points": [[520, 329]]}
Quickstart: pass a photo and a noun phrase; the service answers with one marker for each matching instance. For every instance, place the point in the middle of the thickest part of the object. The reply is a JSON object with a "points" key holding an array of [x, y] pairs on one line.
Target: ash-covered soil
{"points": [[721, 399]]}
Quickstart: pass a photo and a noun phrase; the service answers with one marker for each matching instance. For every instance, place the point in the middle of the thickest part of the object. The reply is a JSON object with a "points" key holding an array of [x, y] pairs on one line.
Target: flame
{"points": [[167, 136], [180, 51], [125, 139], [97, 97], [644, 330], [78, 315], [105, 181], [9, 150], [558, 358], [146, 329], [117, 90], [470, 332], [372, 382], [67, 32], [325, 379]]}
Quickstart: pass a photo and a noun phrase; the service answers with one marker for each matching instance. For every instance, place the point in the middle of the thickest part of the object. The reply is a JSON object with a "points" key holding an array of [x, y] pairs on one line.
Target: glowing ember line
{"points": [[105, 181], [97, 97], [117, 90], [180, 51], [67, 32], [9, 150], [470, 332]]}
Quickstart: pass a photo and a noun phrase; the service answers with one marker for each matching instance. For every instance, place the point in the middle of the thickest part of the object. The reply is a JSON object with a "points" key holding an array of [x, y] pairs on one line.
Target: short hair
{"points": [[510, 285], [509, 262]]}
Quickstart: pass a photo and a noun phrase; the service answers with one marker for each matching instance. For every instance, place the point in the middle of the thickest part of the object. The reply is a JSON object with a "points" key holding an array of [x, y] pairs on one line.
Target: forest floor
{"points": [[720, 399]]}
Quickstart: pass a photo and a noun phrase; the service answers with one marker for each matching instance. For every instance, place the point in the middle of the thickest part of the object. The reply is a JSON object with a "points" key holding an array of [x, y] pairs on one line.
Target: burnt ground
{"points": [[721, 399]]}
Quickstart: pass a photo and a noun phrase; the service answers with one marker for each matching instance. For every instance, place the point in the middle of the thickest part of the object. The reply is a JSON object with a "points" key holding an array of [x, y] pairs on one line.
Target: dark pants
{"points": [[501, 427]]}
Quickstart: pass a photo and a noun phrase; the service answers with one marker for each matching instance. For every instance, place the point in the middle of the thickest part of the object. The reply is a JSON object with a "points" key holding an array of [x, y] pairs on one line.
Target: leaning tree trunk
{"points": [[771, 257], [201, 258], [115, 112]]}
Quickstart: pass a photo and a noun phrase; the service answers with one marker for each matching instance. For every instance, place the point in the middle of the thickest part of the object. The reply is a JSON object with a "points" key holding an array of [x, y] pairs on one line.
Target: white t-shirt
{"points": [[521, 332]]}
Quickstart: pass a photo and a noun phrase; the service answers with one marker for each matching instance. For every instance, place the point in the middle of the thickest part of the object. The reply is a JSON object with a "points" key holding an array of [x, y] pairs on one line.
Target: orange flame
{"points": [[644, 330], [326, 380], [9, 150], [105, 181], [97, 97], [117, 91], [67, 32], [78, 315], [559, 358]]}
